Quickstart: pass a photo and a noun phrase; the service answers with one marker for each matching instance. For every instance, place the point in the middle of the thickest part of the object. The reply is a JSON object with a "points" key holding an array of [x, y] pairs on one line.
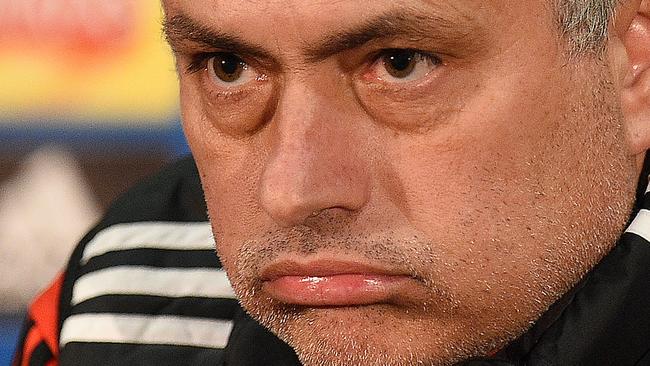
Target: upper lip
{"points": [[322, 268]]}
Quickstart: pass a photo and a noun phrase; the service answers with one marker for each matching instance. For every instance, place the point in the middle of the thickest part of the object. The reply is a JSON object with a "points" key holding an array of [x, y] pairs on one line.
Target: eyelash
{"points": [[199, 61], [386, 51]]}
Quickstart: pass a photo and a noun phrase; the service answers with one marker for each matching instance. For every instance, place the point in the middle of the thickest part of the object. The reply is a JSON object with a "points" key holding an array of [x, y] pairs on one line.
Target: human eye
{"points": [[225, 70], [403, 87], [403, 65], [232, 90]]}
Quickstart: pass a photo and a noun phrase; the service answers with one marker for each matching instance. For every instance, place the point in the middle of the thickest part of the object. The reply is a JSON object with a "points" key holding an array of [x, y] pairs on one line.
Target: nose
{"points": [[316, 162]]}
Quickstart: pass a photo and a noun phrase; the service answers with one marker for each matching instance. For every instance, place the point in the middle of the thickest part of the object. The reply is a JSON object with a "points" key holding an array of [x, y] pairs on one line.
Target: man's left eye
{"points": [[404, 65]]}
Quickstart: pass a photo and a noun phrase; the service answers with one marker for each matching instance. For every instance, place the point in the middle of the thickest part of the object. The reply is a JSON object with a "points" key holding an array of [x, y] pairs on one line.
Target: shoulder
{"points": [[146, 283], [174, 194]]}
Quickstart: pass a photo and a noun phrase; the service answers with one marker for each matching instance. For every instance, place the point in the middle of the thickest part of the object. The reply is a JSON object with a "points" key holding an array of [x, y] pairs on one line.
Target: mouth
{"points": [[328, 283]]}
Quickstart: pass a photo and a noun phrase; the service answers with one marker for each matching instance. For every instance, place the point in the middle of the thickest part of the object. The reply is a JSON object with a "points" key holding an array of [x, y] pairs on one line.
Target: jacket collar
{"points": [[605, 319]]}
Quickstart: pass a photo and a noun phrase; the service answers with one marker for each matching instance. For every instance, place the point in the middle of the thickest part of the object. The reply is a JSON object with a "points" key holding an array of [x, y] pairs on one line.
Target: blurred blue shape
{"points": [[10, 326], [98, 139], [177, 141]]}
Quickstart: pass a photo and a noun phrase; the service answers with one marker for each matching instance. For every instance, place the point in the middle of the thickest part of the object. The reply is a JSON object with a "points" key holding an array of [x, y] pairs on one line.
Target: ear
{"points": [[635, 91]]}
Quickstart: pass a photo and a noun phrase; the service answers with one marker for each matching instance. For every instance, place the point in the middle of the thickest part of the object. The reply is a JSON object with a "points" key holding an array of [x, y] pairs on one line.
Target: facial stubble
{"points": [[350, 336], [345, 335]]}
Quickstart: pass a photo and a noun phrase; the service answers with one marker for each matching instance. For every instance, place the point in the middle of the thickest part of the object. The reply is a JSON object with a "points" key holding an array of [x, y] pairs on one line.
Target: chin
{"points": [[376, 335]]}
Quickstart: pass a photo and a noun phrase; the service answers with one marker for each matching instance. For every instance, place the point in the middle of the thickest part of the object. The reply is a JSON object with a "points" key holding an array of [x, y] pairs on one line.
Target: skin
{"points": [[495, 179]]}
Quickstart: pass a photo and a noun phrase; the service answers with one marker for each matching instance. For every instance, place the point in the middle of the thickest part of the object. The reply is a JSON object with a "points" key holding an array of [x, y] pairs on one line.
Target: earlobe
{"points": [[635, 93]]}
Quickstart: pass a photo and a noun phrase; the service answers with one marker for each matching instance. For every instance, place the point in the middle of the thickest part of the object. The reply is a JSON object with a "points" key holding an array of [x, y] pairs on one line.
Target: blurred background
{"points": [[88, 106]]}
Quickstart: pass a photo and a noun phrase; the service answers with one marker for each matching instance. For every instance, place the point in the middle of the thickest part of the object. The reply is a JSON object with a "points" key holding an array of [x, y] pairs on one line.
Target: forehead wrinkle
{"points": [[408, 22], [182, 28]]}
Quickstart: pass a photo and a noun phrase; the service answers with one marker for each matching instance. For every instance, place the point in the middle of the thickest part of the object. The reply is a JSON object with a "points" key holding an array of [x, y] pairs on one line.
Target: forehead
{"points": [[278, 22]]}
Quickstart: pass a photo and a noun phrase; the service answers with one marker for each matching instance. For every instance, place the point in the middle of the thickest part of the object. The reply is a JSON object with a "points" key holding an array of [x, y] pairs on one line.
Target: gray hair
{"points": [[584, 24]]}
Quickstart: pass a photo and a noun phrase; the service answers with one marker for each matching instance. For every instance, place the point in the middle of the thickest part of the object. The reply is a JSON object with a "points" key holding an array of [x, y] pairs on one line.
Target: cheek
{"points": [[503, 191], [416, 108], [229, 171], [232, 206], [474, 163], [237, 113]]}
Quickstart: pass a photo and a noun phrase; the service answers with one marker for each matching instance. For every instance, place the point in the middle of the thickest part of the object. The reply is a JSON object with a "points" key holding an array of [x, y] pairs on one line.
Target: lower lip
{"points": [[334, 290]]}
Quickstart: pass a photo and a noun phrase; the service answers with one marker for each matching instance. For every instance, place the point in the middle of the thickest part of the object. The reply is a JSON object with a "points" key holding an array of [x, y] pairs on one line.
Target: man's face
{"points": [[394, 182]]}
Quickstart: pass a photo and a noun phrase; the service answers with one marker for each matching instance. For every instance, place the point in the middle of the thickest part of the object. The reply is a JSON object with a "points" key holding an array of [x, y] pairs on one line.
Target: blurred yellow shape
{"points": [[130, 82]]}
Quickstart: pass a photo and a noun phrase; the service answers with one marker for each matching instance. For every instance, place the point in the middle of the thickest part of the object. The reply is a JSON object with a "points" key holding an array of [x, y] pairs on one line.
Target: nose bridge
{"points": [[313, 165]]}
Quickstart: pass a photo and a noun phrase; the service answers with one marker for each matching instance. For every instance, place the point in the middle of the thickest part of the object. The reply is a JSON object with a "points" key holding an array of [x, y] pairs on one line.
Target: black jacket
{"points": [[604, 320]]}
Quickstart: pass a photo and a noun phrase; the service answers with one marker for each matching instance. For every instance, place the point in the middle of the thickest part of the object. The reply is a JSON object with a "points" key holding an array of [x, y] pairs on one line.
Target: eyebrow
{"points": [[404, 23], [181, 28]]}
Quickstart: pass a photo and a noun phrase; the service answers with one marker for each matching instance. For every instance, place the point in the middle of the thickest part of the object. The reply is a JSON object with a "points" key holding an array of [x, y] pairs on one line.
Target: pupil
{"points": [[401, 61], [230, 64]]}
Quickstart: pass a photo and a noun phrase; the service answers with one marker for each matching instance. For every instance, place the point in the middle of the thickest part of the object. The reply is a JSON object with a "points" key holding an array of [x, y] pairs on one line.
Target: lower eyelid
{"points": [[229, 96], [249, 79], [378, 80], [406, 89], [235, 93]]}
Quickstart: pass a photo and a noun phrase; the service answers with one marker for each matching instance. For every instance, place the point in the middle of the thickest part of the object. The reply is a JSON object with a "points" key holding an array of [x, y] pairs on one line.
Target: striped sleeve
{"points": [[641, 224], [39, 342], [152, 293]]}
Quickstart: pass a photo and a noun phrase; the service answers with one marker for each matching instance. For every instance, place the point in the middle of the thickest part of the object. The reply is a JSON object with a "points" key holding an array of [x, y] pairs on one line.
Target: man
{"points": [[415, 182]]}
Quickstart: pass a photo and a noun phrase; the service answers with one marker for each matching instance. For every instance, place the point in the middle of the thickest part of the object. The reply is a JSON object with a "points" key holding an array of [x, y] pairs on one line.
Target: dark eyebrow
{"points": [[402, 23], [181, 28], [405, 23]]}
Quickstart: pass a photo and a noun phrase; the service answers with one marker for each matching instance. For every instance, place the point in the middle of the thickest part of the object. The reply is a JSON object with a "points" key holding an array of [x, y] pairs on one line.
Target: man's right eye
{"points": [[228, 70]]}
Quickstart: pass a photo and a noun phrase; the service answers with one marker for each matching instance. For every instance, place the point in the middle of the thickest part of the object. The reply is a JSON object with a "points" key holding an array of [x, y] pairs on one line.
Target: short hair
{"points": [[584, 24]]}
